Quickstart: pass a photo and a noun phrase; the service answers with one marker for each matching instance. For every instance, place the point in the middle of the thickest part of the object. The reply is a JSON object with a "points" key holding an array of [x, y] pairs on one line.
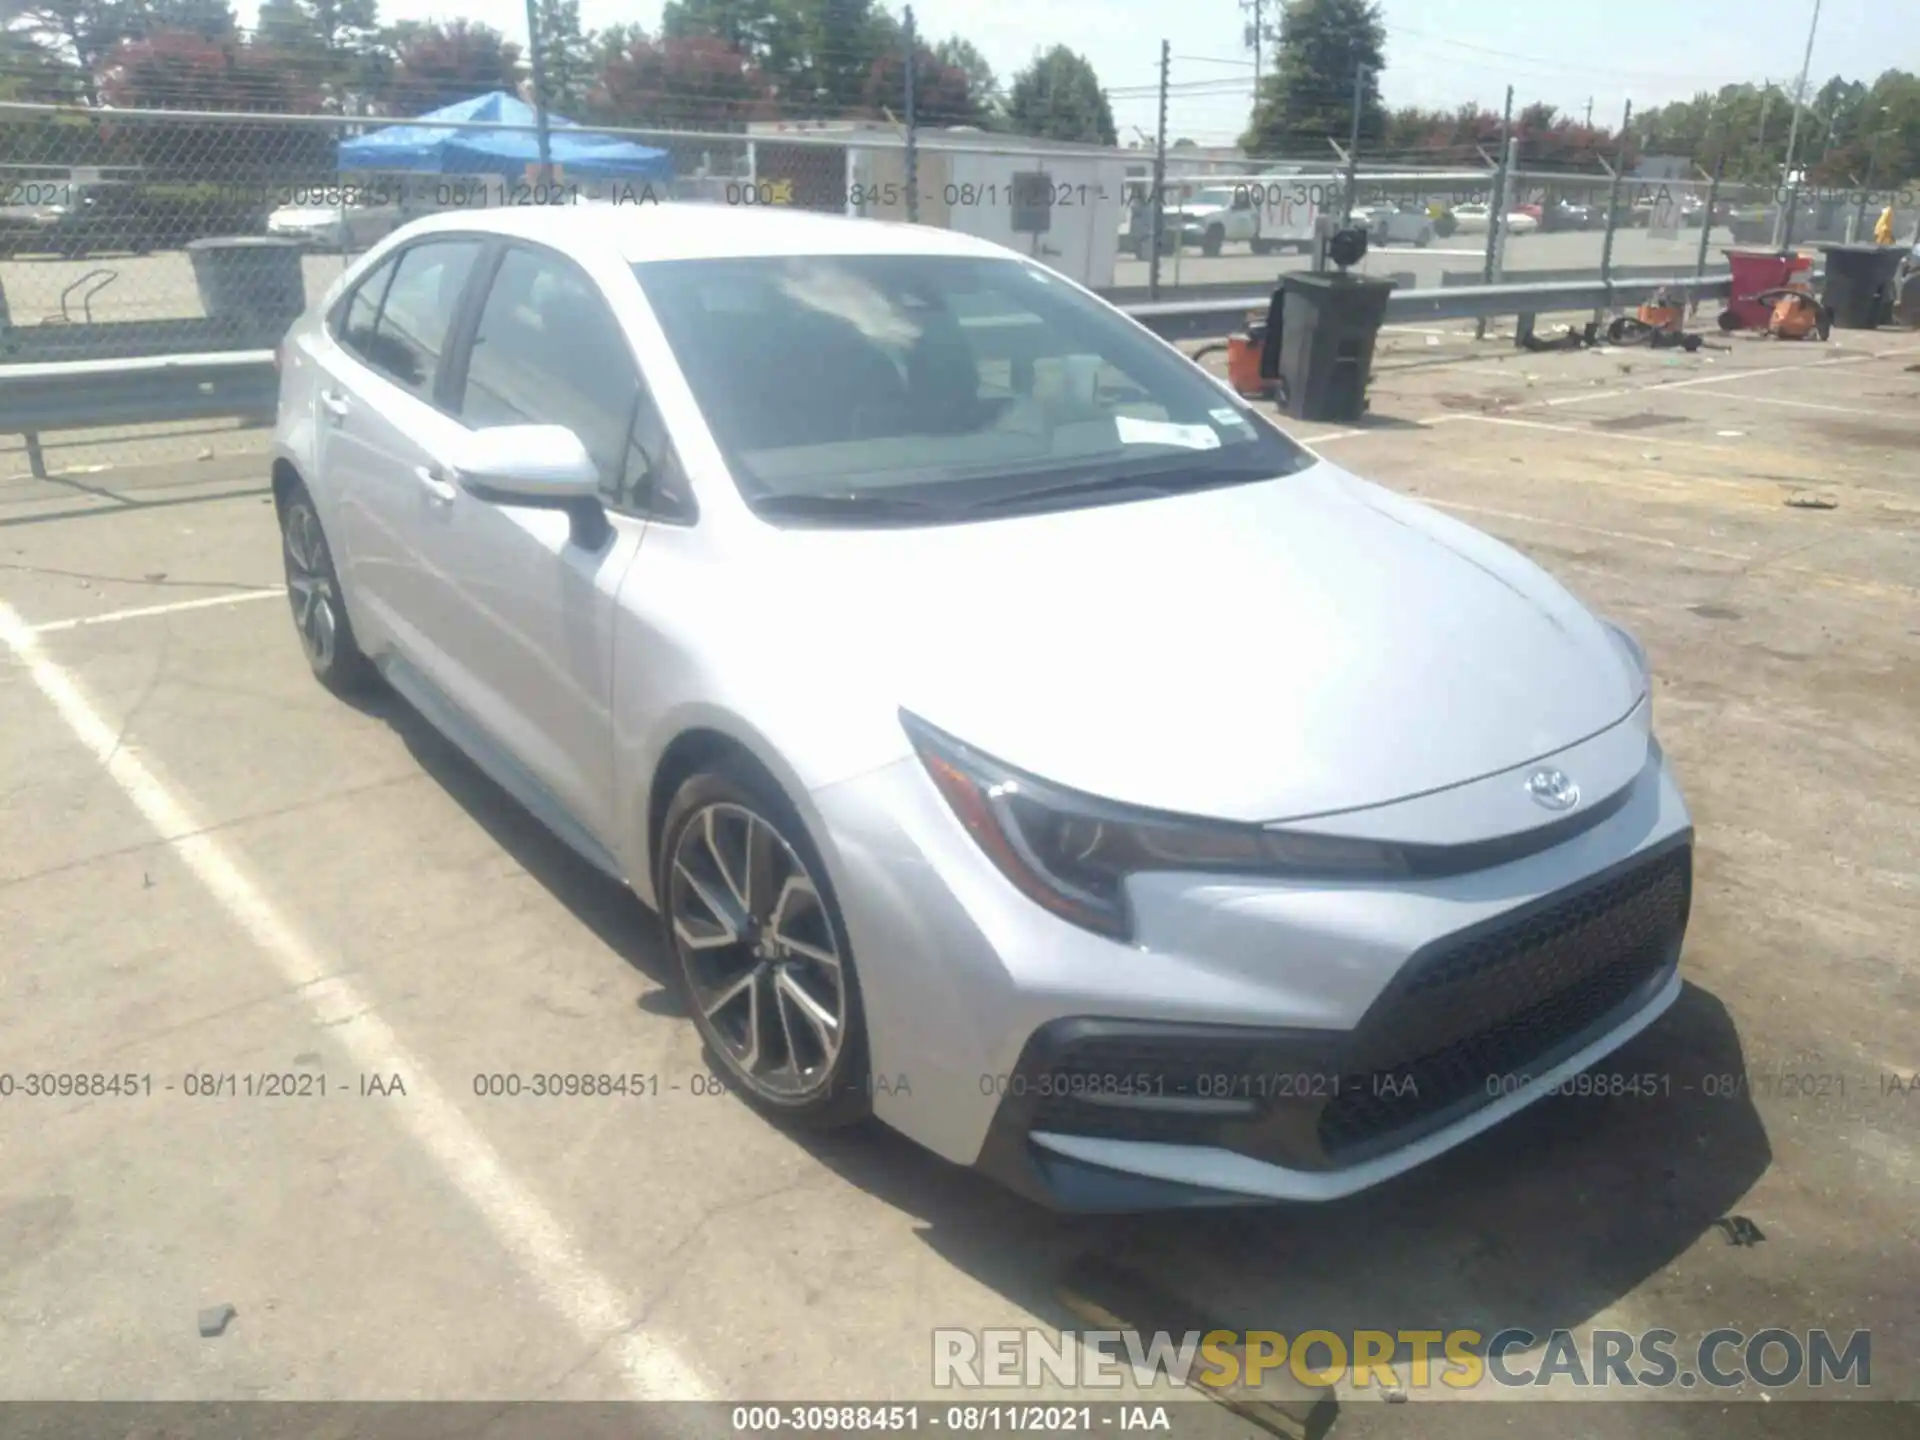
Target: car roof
{"points": [[652, 230]]}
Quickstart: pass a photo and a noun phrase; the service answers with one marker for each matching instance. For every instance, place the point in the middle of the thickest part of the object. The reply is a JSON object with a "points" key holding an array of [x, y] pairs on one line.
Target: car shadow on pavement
{"points": [[605, 906], [1543, 1222]]}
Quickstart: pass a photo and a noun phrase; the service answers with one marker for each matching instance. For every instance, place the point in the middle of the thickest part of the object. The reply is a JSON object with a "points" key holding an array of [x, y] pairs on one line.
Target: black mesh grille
{"points": [[1427, 1049]]}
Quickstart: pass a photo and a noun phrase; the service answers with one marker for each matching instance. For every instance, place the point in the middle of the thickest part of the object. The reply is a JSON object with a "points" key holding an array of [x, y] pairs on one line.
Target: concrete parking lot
{"points": [[211, 868]]}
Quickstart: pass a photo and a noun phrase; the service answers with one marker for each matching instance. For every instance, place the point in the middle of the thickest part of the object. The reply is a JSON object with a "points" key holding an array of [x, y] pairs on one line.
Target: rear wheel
{"points": [[765, 967], [1262, 247], [313, 591], [1211, 242]]}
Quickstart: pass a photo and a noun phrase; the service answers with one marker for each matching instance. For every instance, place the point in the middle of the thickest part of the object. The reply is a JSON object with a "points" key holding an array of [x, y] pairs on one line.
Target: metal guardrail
{"points": [[243, 384], [1196, 319], [141, 390]]}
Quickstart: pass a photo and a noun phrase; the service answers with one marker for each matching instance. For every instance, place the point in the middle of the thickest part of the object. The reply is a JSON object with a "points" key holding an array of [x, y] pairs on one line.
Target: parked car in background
{"points": [[1136, 231], [123, 218], [1533, 211], [1442, 216], [1471, 218], [1398, 224], [27, 229], [1569, 215], [339, 228], [1219, 215], [1069, 916], [1522, 222]]}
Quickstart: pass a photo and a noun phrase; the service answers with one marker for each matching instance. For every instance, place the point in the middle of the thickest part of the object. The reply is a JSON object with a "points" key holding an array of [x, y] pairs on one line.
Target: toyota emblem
{"points": [[1553, 789]]}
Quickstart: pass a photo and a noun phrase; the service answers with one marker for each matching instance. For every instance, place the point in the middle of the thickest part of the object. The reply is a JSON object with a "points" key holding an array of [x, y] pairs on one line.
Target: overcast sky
{"points": [[1565, 54]]}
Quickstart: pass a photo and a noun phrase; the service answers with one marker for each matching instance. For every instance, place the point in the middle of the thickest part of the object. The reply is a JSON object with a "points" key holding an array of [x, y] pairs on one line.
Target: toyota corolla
{"points": [[1019, 736]]}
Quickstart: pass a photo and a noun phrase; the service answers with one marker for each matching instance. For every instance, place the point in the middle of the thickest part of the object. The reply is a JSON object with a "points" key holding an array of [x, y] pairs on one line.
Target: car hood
{"points": [[1270, 651]]}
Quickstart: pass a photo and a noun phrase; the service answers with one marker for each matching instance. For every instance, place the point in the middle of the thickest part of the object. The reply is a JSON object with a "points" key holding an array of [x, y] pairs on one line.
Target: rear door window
{"points": [[408, 336]]}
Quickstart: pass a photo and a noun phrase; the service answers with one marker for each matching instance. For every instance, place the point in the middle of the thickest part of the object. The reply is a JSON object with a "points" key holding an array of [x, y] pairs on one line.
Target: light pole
{"points": [[535, 53], [1783, 221]]}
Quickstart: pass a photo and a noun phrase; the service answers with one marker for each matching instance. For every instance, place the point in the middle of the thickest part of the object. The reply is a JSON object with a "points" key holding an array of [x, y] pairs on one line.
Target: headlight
{"points": [[1072, 853]]}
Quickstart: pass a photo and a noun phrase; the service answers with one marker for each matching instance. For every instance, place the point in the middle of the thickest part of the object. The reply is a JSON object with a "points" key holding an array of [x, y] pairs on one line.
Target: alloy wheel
{"points": [[310, 588], [759, 952]]}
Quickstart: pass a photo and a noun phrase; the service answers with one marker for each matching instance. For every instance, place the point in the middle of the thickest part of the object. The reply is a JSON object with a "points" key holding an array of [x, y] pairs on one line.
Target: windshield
{"points": [[946, 381]]}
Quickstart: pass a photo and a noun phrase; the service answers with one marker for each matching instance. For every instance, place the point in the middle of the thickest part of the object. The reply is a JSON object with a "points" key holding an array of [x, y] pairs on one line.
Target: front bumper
{"points": [[1258, 1041], [1474, 1027]]}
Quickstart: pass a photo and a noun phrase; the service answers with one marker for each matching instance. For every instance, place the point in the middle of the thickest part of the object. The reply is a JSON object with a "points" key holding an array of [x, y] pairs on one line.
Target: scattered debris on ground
{"points": [[215, 1319]]}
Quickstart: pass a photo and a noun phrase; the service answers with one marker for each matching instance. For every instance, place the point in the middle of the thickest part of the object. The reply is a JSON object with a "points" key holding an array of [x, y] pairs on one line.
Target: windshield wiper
{"points": [[852, 507]]}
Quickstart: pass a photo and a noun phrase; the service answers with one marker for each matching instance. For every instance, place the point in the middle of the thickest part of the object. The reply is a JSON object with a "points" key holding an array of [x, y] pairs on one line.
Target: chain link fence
{"points": [[106, 215]]}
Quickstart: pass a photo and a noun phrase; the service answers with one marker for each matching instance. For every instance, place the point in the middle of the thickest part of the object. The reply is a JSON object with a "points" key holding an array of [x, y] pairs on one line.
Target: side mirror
{"points": [[544, 467]]}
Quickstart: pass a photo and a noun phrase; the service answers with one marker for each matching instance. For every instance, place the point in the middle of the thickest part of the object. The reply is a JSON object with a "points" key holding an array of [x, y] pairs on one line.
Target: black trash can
{"points": [[1859, 288], [1320, 334], [252, 282]]}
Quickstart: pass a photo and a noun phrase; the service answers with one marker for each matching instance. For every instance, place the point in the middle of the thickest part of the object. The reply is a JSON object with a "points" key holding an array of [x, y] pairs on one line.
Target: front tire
{"points": [[1211, 242], [765, 967], [319, 605]]}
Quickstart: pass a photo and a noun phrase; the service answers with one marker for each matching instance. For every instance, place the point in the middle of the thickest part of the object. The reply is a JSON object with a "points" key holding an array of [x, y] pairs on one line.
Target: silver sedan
{"points": [[1020, 737]]}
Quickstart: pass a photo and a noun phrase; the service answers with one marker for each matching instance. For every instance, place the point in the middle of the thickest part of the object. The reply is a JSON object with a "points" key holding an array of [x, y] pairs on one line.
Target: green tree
{"points": [[823, 51], [695, 82], [1058, 97], [81, 33], [566, 55], [1844, 125], [941, 93], [983, 86], [614, 41], [1307, 99], [436, 64], [744, 26], [32, 74], [336, 42], [209, 19]]}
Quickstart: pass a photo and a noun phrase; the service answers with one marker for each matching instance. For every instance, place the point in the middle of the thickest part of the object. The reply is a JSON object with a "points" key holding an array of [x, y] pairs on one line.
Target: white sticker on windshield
{"points": [[1160, 432], [1228, 417]]}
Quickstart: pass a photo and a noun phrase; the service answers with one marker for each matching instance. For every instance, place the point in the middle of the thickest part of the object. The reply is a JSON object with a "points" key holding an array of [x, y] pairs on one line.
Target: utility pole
{"points": [[1589, 124], [1353, 145], [1258, 7], [536, 52], [1159, 173], [1783, 225], [1613, 197], [1496, 209], [912, 145]]}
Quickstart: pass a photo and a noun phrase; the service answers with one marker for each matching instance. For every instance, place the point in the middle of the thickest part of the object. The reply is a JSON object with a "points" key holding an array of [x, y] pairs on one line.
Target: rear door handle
{"points": [[336, 405], [434, 481]]}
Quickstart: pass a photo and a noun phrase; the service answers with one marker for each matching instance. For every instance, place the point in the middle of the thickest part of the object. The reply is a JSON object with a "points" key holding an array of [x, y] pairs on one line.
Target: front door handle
{"points": [[336, 405], [440, 490]]}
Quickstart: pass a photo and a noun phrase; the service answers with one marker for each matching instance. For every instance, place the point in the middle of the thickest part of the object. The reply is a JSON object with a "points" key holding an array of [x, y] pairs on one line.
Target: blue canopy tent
{"points": [[443, 149]]}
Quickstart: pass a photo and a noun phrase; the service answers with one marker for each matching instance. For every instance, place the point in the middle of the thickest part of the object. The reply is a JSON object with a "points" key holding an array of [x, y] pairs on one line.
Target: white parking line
{"points": [[1730, 375], [651, 1368], [142, 612], [1811, 405]]}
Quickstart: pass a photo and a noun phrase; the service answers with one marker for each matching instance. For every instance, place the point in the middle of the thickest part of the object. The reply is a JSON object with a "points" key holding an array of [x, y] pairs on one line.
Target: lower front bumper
{"points": [[1104, 1114]]}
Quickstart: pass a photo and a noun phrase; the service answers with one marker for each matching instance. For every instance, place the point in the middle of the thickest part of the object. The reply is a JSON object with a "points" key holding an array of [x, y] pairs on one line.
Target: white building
{"points": [[1058, 202]]}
